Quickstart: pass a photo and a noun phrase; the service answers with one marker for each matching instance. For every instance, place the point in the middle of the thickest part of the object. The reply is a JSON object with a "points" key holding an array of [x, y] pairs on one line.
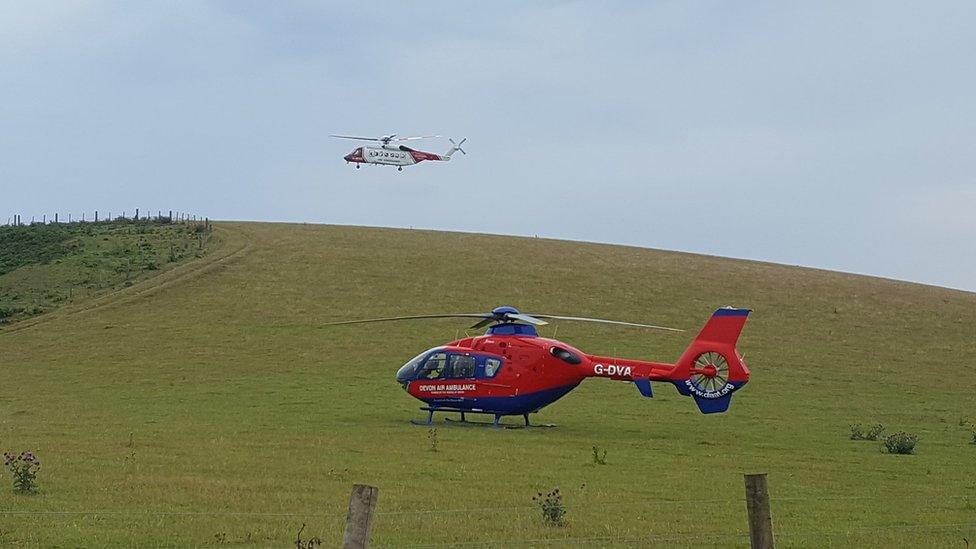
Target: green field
{"points": [[207, 406]]}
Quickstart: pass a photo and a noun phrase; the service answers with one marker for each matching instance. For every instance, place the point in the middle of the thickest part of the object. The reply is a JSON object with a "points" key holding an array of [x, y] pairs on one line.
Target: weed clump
{"points": [[432, 439], [900, 443], [874, 433], [24, 469], [306, 544], [599, 455], [553, 510]]}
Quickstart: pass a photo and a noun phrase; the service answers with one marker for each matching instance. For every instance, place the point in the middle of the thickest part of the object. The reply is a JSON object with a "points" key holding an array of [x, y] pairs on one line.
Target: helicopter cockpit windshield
{"points": [[408, 371], [441, 363]]}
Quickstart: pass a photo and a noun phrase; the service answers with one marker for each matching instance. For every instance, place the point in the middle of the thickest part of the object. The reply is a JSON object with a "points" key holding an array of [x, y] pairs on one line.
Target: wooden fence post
{"points": [[760, 519], [360, 517]]}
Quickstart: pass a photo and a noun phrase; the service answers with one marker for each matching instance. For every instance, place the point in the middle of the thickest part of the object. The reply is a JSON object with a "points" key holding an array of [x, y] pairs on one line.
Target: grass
{"points": [[43, 267], [215, 410]]}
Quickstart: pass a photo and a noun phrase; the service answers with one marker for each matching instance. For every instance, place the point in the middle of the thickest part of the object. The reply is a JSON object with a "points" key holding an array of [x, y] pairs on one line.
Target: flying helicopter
{"points": [[389, 153], [512, 371]]}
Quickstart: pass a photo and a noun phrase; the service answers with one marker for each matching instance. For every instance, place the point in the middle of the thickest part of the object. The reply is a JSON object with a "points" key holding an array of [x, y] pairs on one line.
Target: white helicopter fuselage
{"points": [[389, 154]]}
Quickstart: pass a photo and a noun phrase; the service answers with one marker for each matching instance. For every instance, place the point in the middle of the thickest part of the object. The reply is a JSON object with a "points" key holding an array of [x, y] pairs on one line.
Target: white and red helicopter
{"points": [[389, 153]]}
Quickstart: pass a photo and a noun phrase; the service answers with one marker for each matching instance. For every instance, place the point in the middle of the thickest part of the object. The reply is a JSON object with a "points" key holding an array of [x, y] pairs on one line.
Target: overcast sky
{"points": [[835, 135]]}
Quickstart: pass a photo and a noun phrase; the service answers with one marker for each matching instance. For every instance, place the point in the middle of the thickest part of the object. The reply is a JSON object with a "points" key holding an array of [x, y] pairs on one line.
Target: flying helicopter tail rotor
{"points": [[455, 147], [711, 368]]}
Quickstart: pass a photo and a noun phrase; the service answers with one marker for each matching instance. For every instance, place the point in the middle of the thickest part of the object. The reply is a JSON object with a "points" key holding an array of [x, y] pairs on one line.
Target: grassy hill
{"points": [[207, 406], [46, 266]]}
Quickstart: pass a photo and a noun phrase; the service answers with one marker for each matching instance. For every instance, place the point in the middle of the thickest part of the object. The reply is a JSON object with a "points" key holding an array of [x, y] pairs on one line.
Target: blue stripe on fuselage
{"points": [[513, 405]]}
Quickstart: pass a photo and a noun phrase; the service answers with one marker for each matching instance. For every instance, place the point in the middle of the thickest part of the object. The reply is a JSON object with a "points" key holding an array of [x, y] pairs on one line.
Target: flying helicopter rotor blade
{"points": [[604, 321], [356, 137], [413, 137], [527, 318], [413, 317]]}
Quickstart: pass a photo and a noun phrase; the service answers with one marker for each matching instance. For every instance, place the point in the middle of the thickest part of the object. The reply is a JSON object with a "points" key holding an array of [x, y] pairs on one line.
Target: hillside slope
{"points": [[215, 409]]}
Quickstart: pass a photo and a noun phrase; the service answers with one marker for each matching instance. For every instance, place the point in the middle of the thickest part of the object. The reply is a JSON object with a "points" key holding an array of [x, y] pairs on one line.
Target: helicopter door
{"points": [[461, 366]]}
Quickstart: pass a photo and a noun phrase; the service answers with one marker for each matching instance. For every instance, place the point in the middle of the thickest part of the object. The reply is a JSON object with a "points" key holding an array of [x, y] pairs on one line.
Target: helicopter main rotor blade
{"points": [[356, 138], [486, 321], [414, 317], [413, 137], [527, 318], [603, 321]]}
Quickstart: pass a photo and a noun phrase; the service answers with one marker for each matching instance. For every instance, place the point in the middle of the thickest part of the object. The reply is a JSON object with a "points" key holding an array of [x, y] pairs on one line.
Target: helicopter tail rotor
{"points": [[711, 368], [456, 147]]}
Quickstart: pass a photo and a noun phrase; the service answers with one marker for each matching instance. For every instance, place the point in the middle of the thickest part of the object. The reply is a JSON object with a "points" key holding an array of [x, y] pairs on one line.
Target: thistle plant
{"points": [[24, 470], [552, 507]]}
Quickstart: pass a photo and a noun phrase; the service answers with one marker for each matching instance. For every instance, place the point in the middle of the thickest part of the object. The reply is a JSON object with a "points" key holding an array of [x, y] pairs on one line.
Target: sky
{"points": [[837, 135]]}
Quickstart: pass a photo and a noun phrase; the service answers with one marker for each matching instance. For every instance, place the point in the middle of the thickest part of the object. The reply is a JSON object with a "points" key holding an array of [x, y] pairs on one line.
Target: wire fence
{"points": [[631, 504], [962, 528], [104, 216]]}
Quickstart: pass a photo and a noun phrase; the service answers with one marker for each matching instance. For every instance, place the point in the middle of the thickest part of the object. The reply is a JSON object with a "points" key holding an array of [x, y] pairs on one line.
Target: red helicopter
{"points": [[512, 371]]}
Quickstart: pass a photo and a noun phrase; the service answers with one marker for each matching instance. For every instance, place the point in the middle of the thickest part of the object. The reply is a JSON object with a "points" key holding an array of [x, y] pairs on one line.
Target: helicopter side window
{"points": [[461, 366], [491, 366], [434, 367]]}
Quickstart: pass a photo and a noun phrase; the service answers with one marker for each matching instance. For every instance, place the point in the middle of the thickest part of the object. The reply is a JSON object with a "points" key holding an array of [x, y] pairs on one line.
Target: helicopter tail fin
{"points": [[711, 368], [455, 147]]}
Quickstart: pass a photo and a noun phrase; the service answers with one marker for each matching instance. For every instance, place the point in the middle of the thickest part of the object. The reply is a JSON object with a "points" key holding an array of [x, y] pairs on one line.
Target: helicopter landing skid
{"points": [[498, 425], [495, 424]]}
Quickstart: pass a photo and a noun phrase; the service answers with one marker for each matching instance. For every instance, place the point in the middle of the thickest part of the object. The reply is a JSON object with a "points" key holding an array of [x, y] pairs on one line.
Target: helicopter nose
{"points": [[348, 158]]}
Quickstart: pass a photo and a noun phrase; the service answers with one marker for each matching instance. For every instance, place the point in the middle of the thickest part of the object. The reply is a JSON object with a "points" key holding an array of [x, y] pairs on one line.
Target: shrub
{"points": [[900, 443], [24, 470], [553, 511], [874, 433]]}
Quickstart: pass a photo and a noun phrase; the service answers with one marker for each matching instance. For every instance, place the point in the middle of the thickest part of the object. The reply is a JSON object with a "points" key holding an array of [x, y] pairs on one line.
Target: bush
{"points": [[874, 433], [901, 443], [552, 507], [599, 455], [24, 470]]}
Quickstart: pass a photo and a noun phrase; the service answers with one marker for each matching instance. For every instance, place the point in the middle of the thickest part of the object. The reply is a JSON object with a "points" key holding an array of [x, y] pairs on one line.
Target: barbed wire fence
{"points": [[362, 513]]}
